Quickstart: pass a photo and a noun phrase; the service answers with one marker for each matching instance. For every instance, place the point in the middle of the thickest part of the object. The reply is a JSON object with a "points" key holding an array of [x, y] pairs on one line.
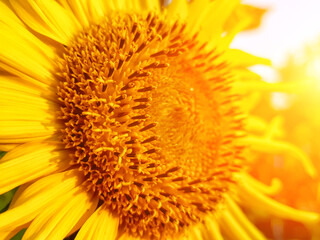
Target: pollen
{"points": [[150, 122]]}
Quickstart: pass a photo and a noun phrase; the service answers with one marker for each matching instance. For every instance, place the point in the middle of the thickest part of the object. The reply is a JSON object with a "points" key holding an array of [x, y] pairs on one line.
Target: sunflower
{"points": [[124, 120]]}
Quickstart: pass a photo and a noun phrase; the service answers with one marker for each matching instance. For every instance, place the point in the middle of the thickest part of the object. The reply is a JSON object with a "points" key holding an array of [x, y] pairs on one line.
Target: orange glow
{"points": [[301, 125]]}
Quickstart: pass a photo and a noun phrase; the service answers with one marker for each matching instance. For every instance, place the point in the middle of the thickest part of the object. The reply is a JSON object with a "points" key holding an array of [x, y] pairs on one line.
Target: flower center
{"points": [[149, 121]]}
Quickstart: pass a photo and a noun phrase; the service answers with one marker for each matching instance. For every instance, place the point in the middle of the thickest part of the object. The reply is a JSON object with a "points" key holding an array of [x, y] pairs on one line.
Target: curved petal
{"points": [[150, 5], [7, 146], [101, 225], [178, 8], [251, 14], [243, 221], [15, 98], [22, 114], [276, 147], [213, 230], [196, 232], [22, 53], [11, 234], [34, 160], [21, 131], [216, 12], [253, 197], [26, 117], [273, 189], [242, 59], [22, 85], [231, 227], [57, 221], [36, 197], [93, 11], [22, 58], [79, 8], [48, 18], [126, 236]]}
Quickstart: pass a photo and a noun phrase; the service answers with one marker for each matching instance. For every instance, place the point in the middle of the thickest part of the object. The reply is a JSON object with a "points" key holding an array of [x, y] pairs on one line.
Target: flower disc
{"points": [[150, 121]]}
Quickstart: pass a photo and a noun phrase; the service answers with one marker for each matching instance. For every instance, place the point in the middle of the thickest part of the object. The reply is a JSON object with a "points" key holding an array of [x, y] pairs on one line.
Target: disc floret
{"points": [[150, 121]]}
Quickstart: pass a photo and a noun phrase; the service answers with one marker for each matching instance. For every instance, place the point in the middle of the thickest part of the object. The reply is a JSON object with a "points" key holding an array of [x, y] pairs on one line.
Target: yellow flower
{"points": [[120, 120]]}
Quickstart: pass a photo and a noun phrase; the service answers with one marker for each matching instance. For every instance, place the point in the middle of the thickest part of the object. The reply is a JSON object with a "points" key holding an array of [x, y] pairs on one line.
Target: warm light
{"points": [[280, 101], [288, 25], [313, 71]]}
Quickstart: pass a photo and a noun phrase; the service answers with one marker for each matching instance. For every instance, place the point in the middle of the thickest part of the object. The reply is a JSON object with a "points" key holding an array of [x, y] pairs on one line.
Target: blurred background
{"points": [[285, 29], [290, 37]]}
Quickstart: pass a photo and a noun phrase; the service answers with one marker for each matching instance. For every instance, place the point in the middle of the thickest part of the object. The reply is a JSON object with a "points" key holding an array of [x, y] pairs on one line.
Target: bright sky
{"points": [[287, 27]]}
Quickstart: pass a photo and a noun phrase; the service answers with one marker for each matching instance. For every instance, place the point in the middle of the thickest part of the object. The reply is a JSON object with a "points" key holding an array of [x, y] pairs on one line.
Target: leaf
{"points": [[19, 235], [5, 199], [2, 154], [4, 202]]}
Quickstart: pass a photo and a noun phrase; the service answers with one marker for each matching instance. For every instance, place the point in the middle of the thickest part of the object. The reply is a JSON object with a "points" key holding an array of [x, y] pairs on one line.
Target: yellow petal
{"points": [[129, 6], [16, 141], [11, 234], [17, 199], [203, 18], [24, 114], [286, 87], [37, 197], [178, 8], [275, 128], [15, 130], [213, 230], [242, 59], [126, 236], [255, 199], [7, 235], [136, 6], [196, 11], [231, 227], [255, 124], [242, 220], [5, 147], [18, 54], [195, 232], [22, 51], [48, 18], [35, 160], [98, 9], [280, 147], [14, 24], [25, 77], [273, 189], [58, 220], [79, 8], [50, 209], [26, 117], [101, 225], [150, 5], [8, 17], [8, 83], [242, 17], [252, 15], [218, 15], [17, 98]]}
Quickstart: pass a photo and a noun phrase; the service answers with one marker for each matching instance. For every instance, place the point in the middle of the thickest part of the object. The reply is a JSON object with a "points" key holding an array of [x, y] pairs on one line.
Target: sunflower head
{"points": [[150, 121]]}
